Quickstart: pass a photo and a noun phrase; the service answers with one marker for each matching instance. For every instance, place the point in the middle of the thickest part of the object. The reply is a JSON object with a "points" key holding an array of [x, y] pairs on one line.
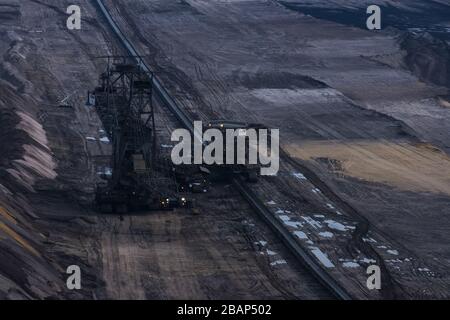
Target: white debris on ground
{"points": [[104, 140], [351, 264], [280, 211], [248, 223], [393, 261], [301, 235], [316, 222], [368, 261], [322, 257], [299, 176], [316, 191], [271, 203], [105, 171], [91, 139], [313, 223], [338, 226], [261, 242], [287, 221], [278, 262], [393, 252], [270, 253], [384, 247], [326, 234], [331, 207]]}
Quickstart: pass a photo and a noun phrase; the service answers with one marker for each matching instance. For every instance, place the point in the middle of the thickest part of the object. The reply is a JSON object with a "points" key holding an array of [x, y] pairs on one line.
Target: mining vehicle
{"points": [[123, 100], [226, 171]]}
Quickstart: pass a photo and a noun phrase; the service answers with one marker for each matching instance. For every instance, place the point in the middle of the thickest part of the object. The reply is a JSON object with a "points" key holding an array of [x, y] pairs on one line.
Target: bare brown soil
{"points": [[48, 169]]}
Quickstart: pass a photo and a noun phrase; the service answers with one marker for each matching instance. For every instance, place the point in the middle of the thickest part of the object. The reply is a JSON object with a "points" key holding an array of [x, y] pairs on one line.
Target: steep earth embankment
{"points": [[30, 266]]}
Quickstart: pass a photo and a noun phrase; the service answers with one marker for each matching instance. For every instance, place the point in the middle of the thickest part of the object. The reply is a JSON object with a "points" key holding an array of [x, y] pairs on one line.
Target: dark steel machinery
{"points": [[227, 171], [124, 102], [304, 257]]}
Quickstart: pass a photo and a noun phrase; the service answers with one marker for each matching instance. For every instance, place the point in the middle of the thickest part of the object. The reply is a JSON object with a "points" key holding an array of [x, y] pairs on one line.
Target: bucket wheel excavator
{"points": [[139, 180]]}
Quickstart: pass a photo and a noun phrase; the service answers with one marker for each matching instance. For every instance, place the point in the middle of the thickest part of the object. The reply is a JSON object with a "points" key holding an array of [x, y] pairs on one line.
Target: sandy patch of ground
{"points": [[419, 167]]}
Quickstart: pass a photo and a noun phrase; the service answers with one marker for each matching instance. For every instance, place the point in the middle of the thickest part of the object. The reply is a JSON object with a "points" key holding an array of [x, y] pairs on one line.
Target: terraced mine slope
{"points": [[365, 167]]}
